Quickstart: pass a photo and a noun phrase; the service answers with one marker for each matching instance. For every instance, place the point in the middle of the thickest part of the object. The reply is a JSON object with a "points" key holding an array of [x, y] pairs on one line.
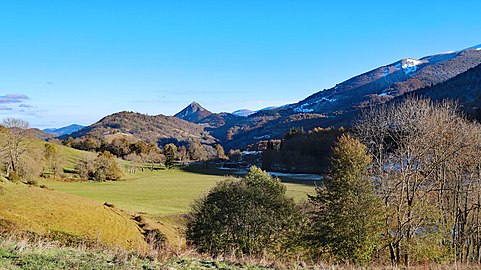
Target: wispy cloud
{"points": [[25, 106], [5, 108], [13, 98]]}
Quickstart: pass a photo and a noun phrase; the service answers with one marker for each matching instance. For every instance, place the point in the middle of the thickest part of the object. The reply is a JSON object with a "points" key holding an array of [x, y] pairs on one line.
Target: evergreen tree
{"points": [[348, 213], [169, 151]]}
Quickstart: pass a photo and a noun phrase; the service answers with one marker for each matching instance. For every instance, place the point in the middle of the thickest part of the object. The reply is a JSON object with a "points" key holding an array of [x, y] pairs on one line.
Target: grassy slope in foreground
{"points": [[157, 193], [25, 254], [45, 212]]}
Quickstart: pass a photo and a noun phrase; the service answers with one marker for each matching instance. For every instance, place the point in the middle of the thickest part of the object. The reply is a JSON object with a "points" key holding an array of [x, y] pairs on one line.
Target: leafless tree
{"points": [[426, 170], [13, 137]]}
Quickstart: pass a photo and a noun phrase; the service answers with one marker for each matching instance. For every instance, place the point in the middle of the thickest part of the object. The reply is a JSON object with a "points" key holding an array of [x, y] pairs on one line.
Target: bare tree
{"points": [[13, 136], [427, 172]]}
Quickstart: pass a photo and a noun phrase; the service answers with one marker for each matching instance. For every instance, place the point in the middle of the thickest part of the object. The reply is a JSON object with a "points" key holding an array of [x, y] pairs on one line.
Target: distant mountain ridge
{"points": [[339, 105], [445, 75], [64, 130]]}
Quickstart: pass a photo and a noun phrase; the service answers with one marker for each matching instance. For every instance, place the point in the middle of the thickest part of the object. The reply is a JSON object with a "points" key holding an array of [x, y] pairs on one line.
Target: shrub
{"points": [[249, 216], [32, 182], [106, 167], [155, 238]]}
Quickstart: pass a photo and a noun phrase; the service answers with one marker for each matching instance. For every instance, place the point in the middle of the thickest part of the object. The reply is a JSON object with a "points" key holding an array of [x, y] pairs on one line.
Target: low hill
{"points": [[45, 212], [39, 134], [158, 129]]}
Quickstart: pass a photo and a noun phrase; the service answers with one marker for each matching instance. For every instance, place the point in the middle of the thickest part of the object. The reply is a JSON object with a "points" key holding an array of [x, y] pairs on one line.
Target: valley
{"points": [[155, 186]]}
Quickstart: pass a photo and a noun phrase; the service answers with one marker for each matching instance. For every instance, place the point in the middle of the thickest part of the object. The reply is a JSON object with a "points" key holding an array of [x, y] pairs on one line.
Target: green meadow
{"points": [[158, 193]]}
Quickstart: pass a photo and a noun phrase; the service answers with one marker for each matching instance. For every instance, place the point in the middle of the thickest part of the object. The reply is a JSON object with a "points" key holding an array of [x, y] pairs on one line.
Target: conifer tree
{"points": [[347, 216], [169, 151]]}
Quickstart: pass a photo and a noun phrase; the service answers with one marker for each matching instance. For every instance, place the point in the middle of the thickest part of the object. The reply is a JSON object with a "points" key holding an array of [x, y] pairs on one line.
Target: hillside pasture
{"points": [[29, 209]]}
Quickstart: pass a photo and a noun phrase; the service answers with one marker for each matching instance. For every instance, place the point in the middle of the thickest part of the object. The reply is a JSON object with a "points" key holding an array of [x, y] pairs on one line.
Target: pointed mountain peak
{"points": [[194, 112], [196, 105]]}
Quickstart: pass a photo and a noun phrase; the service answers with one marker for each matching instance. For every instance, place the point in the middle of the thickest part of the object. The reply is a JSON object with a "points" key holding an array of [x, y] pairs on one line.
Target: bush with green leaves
{"points": [[248, 216]]}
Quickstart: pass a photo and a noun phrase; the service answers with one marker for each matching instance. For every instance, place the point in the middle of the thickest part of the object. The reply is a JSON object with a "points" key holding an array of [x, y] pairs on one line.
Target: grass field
{"points": [[161, 196], [44, 212], [162, 193], [71, 156]]}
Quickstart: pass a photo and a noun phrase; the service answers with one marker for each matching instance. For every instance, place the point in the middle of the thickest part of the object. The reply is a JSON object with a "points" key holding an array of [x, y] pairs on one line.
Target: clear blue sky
{"points": [[65, 62]]}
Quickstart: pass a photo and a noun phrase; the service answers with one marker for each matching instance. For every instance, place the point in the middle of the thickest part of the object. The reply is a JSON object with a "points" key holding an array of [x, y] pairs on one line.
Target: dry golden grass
{"points": [[31, 209]]}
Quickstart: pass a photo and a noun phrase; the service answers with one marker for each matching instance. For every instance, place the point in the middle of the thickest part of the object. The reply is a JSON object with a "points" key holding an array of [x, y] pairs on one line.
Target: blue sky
{"points": [[64, 62]]}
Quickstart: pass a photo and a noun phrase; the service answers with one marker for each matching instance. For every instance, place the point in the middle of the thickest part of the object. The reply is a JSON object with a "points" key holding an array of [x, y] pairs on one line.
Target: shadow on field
{"points": [[209, 170]]}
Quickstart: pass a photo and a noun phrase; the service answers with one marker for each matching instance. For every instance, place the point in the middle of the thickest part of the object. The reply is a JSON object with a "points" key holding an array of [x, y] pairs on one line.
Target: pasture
{"points": [[157, 193]]}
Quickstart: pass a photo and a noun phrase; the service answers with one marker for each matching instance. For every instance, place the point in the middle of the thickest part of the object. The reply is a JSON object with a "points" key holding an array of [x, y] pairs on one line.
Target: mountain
{"points": [[64, 130], [464, 88], [194, 112], [444, 75], [243, 112], [159, 129], [387, 82], [338, 106]]}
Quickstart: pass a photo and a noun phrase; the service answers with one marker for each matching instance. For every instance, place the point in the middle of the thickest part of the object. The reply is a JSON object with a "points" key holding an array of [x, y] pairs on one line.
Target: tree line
{"points": [[139, 151], [301, 151]]}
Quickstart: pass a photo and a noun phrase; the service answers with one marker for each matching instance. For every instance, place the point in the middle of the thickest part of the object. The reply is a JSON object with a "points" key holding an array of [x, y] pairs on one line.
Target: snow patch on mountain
{"points": [[411, 65], [303, 109], [243, 112], [326, 99], [262, 137], [385, 72]]}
